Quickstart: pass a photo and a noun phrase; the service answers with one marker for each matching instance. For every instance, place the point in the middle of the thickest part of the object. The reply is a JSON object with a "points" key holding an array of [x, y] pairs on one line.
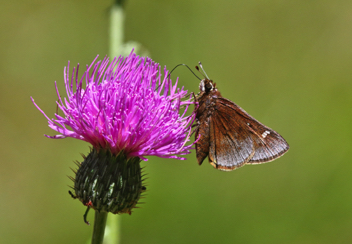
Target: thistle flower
{"points": [[126, 111]]}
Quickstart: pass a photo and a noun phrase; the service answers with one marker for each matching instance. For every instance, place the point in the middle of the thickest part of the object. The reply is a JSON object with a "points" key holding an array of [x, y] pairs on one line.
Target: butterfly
{"points": [[228, 135]]}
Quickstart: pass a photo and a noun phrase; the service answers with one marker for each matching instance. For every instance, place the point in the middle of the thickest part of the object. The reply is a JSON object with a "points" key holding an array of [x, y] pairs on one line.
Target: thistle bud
{"points": [[107, 182]]}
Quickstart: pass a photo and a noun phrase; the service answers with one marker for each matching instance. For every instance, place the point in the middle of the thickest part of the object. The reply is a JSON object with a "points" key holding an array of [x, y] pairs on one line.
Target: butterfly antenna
{"points": [[187, 67], [201, 66]]}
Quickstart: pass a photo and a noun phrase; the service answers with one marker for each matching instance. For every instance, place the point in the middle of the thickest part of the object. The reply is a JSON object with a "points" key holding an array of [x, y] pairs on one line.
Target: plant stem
{"points": [[116, 38], [113, 229], [117, 20], [99, 227]]}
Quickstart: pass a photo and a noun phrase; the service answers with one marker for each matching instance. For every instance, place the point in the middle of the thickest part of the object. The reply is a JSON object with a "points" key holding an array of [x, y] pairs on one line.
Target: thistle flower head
{"points": [[126, 110], [125, 106]]}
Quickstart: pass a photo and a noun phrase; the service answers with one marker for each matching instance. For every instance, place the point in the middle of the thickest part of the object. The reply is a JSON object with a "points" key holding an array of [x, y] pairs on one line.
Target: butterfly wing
{"points": [[236, 138], [203, 137]]}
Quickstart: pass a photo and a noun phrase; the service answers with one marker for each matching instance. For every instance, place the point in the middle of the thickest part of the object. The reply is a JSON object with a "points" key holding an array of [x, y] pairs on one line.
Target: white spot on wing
{"points": [[265, 133]]}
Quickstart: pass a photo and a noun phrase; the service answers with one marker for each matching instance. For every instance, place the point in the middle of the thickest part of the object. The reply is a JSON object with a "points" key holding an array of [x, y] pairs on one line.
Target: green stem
{"points": [[113, 228], [117, 20], [99, 227], [116, 36]]}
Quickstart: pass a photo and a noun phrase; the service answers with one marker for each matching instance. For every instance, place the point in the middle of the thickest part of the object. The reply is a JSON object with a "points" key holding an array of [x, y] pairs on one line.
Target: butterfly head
{"points": [[206, 85]]}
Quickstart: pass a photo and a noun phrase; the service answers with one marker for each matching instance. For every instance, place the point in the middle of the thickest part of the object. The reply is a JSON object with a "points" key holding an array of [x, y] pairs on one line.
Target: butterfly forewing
{"points": [[231, 148], [267, 143]]}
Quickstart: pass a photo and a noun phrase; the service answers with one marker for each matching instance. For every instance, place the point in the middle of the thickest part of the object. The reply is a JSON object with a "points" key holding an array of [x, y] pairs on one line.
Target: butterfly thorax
{"points": [[206, 98]]}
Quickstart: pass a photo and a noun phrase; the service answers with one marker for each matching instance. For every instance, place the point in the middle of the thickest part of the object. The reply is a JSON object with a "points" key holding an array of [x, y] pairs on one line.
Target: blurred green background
{"points": [[287, 63]]}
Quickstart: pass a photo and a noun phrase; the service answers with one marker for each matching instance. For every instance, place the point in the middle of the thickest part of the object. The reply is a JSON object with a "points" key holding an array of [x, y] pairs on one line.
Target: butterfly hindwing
{"points": [[202, 145]]}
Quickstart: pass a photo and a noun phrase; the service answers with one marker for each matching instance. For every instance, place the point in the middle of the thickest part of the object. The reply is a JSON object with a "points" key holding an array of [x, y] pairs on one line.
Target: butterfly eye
{"points": [[208, 87]]}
